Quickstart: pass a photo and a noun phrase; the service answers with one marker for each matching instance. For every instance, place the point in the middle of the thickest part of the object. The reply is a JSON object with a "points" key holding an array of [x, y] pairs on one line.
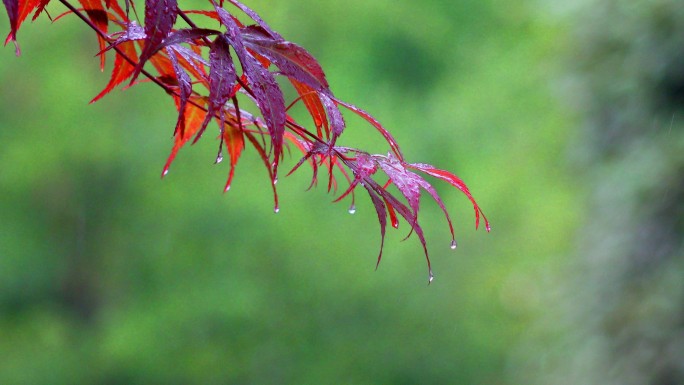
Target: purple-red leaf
{"points": [[456, 182], [184, 88], [383, 131], [18, 11], [222, 79], [291, 59], [406, 213], [264, 88], [187, 36], [12, 8], [382, 218], [253, 15], [160, 15], [334, 115]]}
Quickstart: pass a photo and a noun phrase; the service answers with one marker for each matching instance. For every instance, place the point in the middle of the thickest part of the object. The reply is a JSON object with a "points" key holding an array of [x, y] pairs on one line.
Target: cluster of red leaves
{"points": [[196, 67]]}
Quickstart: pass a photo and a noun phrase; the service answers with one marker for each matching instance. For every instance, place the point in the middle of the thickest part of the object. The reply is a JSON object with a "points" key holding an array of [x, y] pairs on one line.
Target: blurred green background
{"points": [[566, 122]]}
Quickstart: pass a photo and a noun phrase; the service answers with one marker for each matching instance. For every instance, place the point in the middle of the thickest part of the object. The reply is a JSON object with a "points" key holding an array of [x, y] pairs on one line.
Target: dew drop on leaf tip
{"points": [[219, 159], [352, 209], [276, 209], [454, 244]]}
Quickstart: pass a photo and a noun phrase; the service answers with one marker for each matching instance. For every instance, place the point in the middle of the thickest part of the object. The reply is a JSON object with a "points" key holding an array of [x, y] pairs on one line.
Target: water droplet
{"points": [[219, 159], [276, 209], [489, 228], [454, 245], [431, 278], [275, 180], [165, 172], [352, 209], [226, 189]]}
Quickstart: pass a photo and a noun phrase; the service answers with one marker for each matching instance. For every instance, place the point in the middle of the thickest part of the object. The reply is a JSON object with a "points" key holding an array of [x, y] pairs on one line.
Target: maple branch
{"points": [[116, 48], [258, 48], [293, 126]]}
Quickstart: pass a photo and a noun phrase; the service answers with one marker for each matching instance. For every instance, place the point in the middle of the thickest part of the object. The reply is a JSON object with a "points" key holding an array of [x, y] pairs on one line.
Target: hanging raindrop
{"points": [[276, 209], [219, 159], [454, 245], [352, 209]]}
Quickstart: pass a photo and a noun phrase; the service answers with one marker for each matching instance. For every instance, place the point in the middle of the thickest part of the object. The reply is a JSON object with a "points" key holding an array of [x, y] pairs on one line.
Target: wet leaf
{"points": [[160, 16]]}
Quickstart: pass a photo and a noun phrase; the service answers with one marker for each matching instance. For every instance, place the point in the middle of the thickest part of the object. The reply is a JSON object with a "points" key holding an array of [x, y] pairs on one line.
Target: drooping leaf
{"points": [[334, 115], [265, 90], [235, 143], [184, 87], [194, 117], [408, 215], [193, 63], [264, 158], [12, 8], [291, 59], [18, 11], [123, 69], [202, 90], [222, 79], [456, 182], [254, 16], [370, 119], [97, 14], [160, 16], [382, 218], [407, 182], [313, 104]]}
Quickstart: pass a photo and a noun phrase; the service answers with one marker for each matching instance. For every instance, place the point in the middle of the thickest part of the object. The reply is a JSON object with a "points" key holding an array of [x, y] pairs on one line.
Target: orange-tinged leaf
{"points": [[99, 17], [313, 104], [114, 5], [18, 11], [123, 69], [194, 116], [163, 65], [235, 143]]}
